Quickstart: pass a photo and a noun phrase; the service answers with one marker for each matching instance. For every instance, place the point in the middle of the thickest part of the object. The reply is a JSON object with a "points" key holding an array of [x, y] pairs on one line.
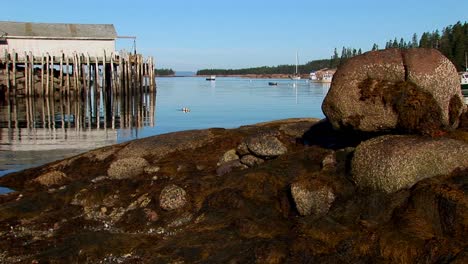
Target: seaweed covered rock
{"points": [[393, 162], [127, 168], [413, 91]]}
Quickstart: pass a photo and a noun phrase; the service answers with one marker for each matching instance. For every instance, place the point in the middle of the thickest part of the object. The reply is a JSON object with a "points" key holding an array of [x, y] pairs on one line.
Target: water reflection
{"points": [[35, 131], [37, 124]]}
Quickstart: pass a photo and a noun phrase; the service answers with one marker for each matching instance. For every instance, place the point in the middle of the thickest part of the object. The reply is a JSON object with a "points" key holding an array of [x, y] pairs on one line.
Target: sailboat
{"points": [[296, 75]]}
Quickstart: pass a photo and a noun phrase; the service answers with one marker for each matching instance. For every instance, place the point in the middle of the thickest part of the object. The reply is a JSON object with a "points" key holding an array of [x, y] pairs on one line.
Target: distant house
{"points": [[55, 38]]}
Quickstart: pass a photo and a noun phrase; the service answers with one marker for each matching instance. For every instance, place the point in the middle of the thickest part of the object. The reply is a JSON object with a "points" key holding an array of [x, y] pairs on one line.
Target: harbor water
{"points": [[34, 132]]}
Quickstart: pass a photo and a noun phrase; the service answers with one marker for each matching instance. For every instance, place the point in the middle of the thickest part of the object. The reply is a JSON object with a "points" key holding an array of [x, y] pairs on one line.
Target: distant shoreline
{"points": [[247, 76]]}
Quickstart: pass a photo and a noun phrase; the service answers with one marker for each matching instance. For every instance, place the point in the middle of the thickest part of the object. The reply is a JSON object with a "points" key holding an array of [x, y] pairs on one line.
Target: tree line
{"points": [[164, 72], [452, 42]]}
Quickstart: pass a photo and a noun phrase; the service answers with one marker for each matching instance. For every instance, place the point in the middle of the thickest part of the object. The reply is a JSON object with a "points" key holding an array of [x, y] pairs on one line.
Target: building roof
{"points": [[57, 30]]}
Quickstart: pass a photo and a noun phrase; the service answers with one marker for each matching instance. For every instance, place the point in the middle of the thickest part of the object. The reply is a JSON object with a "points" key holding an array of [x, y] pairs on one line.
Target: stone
{"points": [[251, 160], [312, 197], [228, 156], [242, 149], [127, 168], [414, 91], [152, 169], [172, 197], [394, 162], [265, 145], [229, 166], [329, 161], [51, 178]]}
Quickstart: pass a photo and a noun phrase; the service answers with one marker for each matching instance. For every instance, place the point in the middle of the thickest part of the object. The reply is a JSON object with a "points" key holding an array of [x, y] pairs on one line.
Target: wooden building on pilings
{"points": [[44, 59]]}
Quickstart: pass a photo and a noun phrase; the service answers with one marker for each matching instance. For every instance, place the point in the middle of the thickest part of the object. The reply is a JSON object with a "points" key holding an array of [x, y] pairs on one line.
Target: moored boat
{"points": [[211, 78], [313, 76]]}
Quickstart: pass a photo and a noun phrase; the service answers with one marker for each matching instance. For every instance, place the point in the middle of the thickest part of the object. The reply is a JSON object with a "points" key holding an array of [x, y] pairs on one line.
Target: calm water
{"points": [[33, 133]]}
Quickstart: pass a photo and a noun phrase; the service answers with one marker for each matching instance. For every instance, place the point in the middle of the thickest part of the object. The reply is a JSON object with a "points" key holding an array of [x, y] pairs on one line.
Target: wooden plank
{"points": [[47, 75], [52, 89], [14, 72], [7, 72], [32, 75], [42, 75], [61, 77], [26, 75], [68, 75]]}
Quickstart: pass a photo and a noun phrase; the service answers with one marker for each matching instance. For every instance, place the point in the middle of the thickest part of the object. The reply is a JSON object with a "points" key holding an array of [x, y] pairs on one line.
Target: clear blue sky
{"points": [[196, 34]]}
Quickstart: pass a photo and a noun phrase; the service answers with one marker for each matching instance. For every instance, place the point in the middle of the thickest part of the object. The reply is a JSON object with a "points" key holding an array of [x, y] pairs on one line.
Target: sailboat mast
{"points": [[297, 62]]}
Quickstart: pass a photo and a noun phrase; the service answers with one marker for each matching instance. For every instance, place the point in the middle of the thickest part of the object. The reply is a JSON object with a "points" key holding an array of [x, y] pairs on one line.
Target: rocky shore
{"points": [[383, 179]]}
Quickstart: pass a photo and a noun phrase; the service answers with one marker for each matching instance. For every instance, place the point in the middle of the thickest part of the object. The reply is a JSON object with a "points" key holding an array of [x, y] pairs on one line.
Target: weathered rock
{"points": [[393, 162], [298, 128], [242, 149], [329, 162], [266, 145], [415, 90], [51, 178], [172, 197], [228, 156], [312, 197], [229, 166], [152, 169], [251, 160], [127, 168], [165, 144]]}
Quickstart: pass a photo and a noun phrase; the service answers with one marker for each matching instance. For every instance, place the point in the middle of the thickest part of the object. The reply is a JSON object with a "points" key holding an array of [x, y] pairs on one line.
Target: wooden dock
{"points": [[75, 74]]}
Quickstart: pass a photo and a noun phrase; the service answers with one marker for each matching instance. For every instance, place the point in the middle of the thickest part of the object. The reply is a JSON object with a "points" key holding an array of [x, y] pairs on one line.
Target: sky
{"points": [[230, 34]]}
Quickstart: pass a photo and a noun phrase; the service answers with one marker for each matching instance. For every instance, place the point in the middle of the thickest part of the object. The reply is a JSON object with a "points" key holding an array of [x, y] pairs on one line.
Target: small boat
{"points": [[272, 83], [464, 80], [327, 77], [464, 85], [211, 78], [313, 76]]}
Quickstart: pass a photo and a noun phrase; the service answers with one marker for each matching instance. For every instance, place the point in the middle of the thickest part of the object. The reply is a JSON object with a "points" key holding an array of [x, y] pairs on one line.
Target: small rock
{"points": [[312, 198], [251, 160], [151, 215], [230, 155], [172, 197], [229, 166], [242, 149], [266, 146], [51, 178], [152, 169], [127, 168], [329, 162]]}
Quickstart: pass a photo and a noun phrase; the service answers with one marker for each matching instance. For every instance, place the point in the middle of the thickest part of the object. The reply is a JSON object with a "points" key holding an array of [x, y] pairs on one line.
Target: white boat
{"points": [[211, 78], [327, 77], [296, 75], [313, 76], [464, 80], [464, 85]]}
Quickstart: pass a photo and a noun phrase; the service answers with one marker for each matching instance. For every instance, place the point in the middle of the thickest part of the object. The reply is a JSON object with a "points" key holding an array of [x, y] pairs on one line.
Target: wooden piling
{"points": [[47, 75], [61, 74], [122, 74]]}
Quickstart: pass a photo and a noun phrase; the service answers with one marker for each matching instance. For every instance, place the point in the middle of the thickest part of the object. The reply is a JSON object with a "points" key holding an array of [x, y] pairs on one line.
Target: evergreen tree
{"points": [[424, 42], [402, 44], [414, 41], [359, 51], [375, 47]]}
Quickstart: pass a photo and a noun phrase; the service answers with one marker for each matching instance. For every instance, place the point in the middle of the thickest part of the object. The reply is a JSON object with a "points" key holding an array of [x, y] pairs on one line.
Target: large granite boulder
{"points": [[414, 91], [393, 162]]}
